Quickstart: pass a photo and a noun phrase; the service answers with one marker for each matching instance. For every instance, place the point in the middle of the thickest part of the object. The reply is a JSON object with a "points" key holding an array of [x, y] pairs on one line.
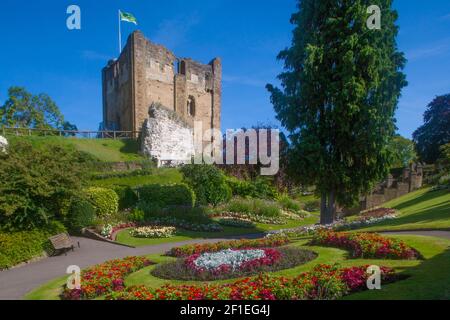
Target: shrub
{"points": [[127, 197], [257, 207], [37, 184], [137, 215], [105, 201], [164, 196], [312, 205], [260, 188], [289, 204], [82, 214], [208, 182], [21, 246]]}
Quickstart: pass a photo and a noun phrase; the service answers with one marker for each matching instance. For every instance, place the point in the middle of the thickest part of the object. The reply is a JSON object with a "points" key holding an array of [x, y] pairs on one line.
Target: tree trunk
{"points": [[327, 208]]}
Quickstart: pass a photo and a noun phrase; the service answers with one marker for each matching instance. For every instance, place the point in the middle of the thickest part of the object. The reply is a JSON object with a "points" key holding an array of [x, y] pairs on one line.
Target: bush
{"points": [[312, 205], [163, 196], [127, 197], [82, 214], [257, 207], [289, 204], [37, 184], [260, 188], [22, 246], [189, 214], [105, 201], [208, 182], [137, 215]]}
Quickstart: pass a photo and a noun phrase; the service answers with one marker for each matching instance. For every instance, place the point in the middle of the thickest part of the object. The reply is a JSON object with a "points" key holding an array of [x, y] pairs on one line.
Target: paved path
{"points": [[16, 282]]}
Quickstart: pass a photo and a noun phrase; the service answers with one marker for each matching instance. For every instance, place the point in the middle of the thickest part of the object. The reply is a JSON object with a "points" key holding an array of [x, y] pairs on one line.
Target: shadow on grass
{"points": [[130, 146], [430, 195]]}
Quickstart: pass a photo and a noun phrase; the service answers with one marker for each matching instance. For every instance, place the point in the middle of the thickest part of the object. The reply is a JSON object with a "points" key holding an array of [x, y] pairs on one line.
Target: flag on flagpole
{"points": [[128, 17]]}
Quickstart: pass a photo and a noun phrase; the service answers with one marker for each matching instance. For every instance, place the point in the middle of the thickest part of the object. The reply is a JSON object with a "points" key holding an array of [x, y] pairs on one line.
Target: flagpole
{"points": [[120, 36]]}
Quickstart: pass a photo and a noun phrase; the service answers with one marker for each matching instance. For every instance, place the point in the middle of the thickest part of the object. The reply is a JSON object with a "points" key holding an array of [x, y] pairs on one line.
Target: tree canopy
{"points": [[339, 92], [435, 132], [25, 110], [403, 152]]}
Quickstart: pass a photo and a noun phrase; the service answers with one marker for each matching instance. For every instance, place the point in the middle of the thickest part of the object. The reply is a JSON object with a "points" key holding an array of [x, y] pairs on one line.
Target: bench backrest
{"points": [[61, 241]]}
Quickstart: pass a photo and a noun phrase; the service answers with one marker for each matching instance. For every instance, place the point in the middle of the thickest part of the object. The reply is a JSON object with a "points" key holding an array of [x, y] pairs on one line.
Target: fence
{"points": [[7, 131]]}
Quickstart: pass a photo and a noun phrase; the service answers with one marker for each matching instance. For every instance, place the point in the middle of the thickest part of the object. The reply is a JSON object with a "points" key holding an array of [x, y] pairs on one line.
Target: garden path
{"points": [[16, 282]]}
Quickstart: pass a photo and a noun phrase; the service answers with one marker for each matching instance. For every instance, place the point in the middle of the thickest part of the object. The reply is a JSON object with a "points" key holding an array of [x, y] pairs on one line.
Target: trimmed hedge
{"points": [[164, 196], [127, 197], [22, 246], [208, 182], [105, 201]]}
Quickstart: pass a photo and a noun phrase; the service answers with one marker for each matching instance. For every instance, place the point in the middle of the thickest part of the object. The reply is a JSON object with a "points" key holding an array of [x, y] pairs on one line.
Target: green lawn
{"points": [[124, 236], [428, 279], [106, 150], [419, 210]]}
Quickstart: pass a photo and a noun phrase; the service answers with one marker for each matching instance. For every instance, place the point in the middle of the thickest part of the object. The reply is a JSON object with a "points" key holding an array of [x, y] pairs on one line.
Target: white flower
{"points": [[233, 258], [3, 144]]}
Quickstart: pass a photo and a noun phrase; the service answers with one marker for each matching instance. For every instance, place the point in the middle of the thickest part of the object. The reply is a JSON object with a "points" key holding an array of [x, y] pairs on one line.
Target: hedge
{"points": [[165, 196], [127, 197], [22, 246], [105, 201]]}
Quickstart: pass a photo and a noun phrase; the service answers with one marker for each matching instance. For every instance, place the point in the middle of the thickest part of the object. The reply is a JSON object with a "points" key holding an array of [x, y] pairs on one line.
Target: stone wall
{"points": [[148, 73], [166, 137]]}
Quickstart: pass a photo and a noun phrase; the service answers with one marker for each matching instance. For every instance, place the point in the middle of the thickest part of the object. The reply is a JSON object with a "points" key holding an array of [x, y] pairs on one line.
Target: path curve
{"points": [[17, 282]]}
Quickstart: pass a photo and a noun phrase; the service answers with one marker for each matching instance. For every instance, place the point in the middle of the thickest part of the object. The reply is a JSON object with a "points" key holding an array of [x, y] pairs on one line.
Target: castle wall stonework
{"points": [[146, 73], [166, 137]]}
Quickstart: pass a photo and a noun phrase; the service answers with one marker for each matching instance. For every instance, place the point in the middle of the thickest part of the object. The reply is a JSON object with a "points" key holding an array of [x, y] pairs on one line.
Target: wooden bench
{"points": [[62, 242]]}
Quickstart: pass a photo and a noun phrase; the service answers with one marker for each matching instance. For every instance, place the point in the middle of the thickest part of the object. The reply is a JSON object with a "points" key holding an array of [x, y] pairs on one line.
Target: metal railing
{"points": [[107, 134]]}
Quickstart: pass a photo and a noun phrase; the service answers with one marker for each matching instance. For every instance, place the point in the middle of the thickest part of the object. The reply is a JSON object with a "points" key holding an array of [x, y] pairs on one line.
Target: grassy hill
{"points": [[106, 150], [420, 210]]}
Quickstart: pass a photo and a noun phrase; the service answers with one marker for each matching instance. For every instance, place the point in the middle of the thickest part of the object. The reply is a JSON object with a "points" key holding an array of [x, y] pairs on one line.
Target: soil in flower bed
{"points": [[283, 258]]}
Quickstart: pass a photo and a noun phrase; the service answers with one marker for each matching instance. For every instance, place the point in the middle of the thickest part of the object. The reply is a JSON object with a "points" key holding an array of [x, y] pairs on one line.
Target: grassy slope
{"points": [[429, 279], [107, 150], [419, 210]]}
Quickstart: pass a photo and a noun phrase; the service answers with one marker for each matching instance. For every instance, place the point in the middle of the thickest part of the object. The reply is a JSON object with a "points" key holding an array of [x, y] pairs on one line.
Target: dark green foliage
{"points": [[257, 207], [208, 182], [127, 197], [24, 110], [137, 215], [312, 205], [104, 200], [82, 214], [435, 132], [183, 213], [21, 246], [290, 204], [37, 185], [259, 188], [340, 90], [402, 151], [163, 196]]}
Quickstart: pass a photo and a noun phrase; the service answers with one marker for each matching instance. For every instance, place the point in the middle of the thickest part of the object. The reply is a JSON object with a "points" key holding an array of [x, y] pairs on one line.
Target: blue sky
{"points": [[40, 53]]}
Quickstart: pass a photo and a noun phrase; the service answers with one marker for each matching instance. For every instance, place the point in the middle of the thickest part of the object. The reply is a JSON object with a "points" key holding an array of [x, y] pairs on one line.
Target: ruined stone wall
{"points": [[166, 137]]}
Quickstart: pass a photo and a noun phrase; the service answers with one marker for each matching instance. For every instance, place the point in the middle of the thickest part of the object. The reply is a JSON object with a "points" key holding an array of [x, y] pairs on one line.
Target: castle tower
{"points": [[146, 73]]}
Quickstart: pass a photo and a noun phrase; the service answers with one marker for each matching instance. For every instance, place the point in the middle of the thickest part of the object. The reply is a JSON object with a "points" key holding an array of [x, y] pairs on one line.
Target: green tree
{"points": [[403, 152], [435, 132], [38, 184], [25, 110], [340, 89]]}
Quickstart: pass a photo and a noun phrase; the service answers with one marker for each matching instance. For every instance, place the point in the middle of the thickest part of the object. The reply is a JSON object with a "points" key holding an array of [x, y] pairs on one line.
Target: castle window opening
{"points": [[191, 106]]}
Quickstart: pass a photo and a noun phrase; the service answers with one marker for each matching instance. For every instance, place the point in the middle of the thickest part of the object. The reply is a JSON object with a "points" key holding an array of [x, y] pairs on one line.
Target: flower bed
{"points": [[153, 232], [323, 282], [232, 263], [174, 222], [377, 213], [250, 217], [366, 245], [236, 222], [274, 241], [105, 278]]}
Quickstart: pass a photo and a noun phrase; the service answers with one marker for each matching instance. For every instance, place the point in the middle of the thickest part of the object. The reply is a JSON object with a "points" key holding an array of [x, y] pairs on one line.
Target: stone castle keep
{"points": [[151, 91]]}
